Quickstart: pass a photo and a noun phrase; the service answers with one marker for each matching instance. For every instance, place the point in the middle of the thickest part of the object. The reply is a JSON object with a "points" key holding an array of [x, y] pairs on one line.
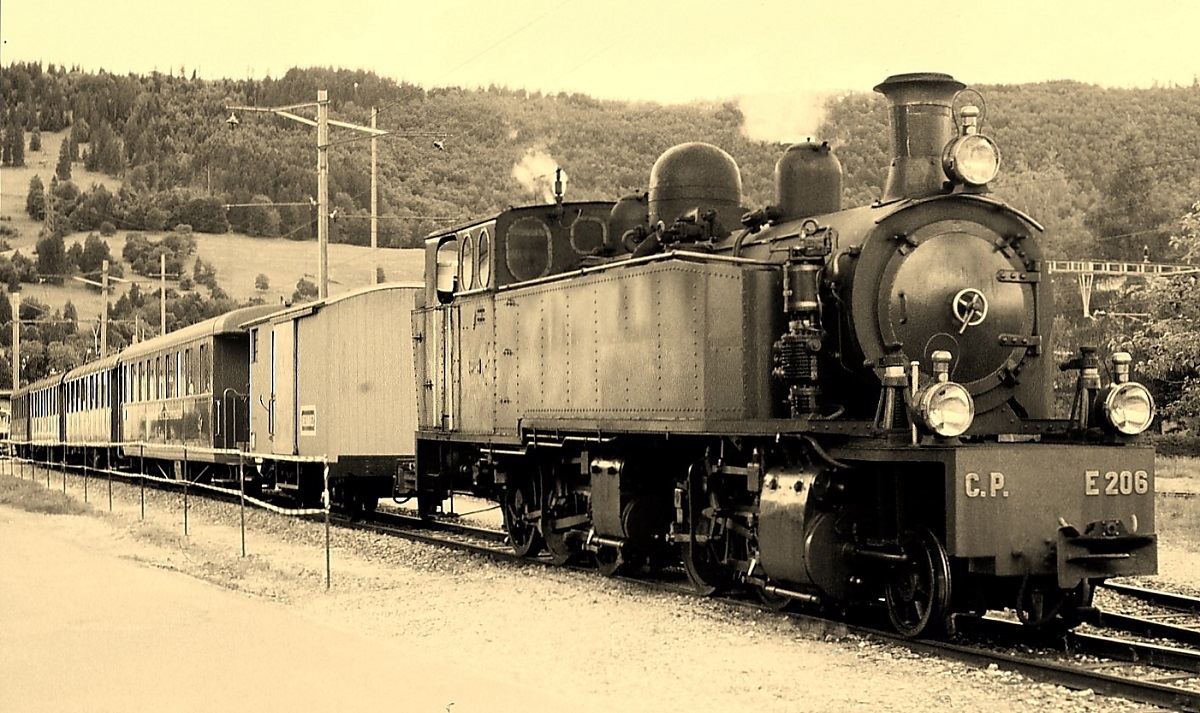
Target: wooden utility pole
{"points": [[104, 310], [322, 123], [374, 197], [162, 294], [323, 192], [16, 339]]}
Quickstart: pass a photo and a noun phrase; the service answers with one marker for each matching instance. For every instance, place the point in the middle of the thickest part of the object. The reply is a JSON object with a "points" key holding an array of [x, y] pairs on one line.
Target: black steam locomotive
{"points": [[842, 406]]}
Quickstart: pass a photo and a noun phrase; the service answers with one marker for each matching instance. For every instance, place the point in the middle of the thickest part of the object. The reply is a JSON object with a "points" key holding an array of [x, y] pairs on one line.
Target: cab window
{"points": [[528, 249], [466, 263], [447, 268]]}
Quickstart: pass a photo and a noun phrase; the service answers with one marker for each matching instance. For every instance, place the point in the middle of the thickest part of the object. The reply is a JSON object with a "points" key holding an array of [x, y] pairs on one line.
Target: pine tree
{"points": [[18, 144], [35, 140], [6, 152], [63, 170], [35, 200], [1130, 220], [13, 143]]}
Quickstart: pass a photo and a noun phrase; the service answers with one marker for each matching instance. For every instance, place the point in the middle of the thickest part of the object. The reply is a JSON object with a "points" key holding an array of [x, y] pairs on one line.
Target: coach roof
{"points": [[228, 323]]}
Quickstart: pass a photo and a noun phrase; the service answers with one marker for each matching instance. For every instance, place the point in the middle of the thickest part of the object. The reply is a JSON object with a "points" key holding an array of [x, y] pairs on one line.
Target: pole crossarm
{"points": [[289, 107], [295, 117], [93, 283]]}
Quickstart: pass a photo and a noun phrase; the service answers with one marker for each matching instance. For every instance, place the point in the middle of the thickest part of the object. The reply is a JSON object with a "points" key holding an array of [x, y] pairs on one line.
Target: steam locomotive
{"points": [[836, 406], [842, 407]]}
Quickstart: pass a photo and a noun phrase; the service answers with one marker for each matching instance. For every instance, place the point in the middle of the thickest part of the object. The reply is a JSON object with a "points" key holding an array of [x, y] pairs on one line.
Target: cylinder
{"points": [[922, 124]]}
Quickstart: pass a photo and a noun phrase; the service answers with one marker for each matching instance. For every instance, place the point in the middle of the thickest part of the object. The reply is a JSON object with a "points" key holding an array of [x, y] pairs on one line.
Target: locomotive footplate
{"points": [[1078, 511]]}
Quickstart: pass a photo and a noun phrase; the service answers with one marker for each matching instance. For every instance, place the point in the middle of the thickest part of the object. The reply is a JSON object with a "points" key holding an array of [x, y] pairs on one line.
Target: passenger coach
{"points": [[184, 396]]}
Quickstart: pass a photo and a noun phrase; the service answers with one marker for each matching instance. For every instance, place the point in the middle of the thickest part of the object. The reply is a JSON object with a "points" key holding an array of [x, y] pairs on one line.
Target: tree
{"points": [[306, 291], [13, 142], [9, 277], [262, 283], [26, 268], [1128, 222], [35, 140], [95, 252], [63, 169], [52, 258], [264, 218], [35, 200], [204, 274], [1165, 343]]}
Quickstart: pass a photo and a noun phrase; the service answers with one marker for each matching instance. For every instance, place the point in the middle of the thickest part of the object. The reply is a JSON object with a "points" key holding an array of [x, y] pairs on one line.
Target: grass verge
{"points": [[32, 496]]}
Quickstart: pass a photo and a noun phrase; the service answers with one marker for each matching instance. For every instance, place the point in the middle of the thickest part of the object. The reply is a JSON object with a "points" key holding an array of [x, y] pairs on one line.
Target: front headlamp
{"points": [[1129, 408], [973, 159], [946, 408]]}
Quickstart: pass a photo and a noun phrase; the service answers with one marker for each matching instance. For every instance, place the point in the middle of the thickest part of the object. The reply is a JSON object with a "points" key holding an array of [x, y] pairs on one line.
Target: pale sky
{"points": [[667, 51]]}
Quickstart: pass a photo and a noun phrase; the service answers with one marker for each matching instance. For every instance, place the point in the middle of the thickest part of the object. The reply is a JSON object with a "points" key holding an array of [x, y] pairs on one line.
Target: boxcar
{"points": [[334, 380]]}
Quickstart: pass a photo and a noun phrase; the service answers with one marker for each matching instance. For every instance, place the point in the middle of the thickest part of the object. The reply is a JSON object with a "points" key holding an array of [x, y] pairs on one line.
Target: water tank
{"points": [[808, 181], [696, 176]]}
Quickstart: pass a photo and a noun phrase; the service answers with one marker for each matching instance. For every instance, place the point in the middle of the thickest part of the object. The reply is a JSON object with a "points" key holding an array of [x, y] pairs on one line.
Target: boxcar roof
{"points": [[309, 307], [228, 323]]}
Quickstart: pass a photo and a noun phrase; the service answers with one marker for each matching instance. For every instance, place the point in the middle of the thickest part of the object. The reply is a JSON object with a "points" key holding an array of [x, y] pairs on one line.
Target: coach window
{"points": [[528, 249], [484, 259], [180, 374], [205, 369], [158, 378], [447, 268], [189, 376]]}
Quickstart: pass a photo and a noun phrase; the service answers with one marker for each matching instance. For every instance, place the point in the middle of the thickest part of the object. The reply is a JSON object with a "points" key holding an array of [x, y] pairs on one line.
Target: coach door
{"points": [[282, 409]]}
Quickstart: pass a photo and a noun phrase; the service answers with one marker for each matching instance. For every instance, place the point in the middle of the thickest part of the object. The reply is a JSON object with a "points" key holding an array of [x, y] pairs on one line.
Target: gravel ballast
{"points": [[551, 636]]}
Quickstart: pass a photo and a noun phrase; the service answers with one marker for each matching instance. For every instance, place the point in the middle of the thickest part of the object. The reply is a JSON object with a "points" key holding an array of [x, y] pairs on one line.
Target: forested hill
{"points": [[1108, 171]]}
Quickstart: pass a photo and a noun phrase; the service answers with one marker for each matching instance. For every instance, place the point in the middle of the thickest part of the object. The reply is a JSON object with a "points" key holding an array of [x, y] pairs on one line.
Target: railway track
{"points": [[1164, 672], [1150, 658]]}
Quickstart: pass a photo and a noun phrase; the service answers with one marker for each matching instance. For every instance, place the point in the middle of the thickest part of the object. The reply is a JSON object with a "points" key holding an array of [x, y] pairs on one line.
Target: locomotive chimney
{"points": [[922, 124]]}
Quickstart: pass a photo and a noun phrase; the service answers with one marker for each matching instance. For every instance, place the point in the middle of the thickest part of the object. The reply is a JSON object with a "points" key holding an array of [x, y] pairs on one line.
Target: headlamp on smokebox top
{"points": [[973, 159]]}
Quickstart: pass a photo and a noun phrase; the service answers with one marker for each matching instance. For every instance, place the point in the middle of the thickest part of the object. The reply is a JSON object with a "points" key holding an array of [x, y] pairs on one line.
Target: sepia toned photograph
{"points": [[474, 357]]}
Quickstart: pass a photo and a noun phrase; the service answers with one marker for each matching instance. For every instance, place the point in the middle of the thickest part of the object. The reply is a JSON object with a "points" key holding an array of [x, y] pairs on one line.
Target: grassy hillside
{"points": [[238, 259]]}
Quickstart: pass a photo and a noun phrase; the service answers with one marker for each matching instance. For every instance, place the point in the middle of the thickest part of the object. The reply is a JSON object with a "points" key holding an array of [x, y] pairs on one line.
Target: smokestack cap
{"points": [[938, 78]]}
